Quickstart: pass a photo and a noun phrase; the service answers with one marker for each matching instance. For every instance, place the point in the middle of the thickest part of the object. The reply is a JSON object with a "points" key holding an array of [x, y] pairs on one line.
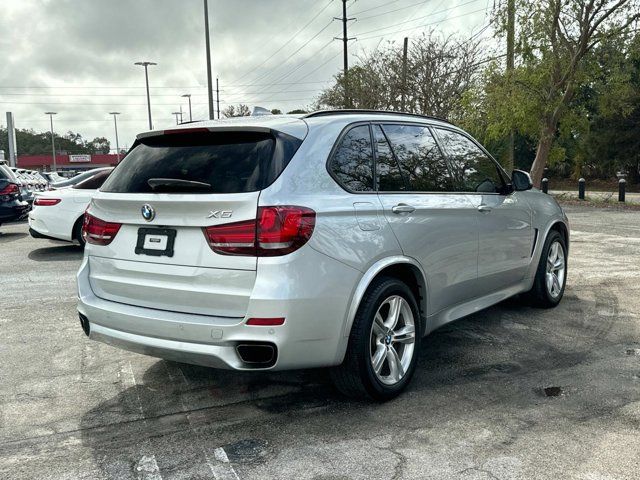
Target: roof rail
{"points": [[351, 111]]}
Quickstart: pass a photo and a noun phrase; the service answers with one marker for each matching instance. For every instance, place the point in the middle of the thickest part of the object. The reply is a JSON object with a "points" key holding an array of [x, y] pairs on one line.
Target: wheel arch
{"points": [[404, 268]]}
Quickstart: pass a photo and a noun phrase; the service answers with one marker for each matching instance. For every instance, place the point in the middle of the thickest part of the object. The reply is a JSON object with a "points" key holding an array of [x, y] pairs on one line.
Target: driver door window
{"points": [[473, 170]]}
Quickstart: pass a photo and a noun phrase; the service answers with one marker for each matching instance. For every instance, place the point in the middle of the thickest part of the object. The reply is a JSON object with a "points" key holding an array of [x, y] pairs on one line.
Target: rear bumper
{"points": [[14, 210], [312, 335]]}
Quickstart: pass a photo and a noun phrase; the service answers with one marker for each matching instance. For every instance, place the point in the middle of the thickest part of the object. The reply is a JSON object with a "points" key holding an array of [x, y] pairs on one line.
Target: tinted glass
{"points": [[473, 170], [421, 161], [229, 162], [389, 176], [352, 162], [93, 183]]}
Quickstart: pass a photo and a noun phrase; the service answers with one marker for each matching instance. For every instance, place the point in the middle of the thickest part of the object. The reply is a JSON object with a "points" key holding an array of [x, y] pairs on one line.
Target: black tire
{"points": [[77, 231], [355, 377], [539, 295]]}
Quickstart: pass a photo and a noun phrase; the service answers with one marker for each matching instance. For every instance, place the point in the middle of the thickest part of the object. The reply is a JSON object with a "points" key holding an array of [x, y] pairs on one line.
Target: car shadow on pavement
{"points": [[59, 253], [11, 236], [494, 357]]}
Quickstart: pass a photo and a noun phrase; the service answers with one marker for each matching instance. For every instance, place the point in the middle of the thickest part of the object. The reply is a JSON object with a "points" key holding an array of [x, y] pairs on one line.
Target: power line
{"points": [[421, 26], [385, 4], [419, 18], [286, 43]]}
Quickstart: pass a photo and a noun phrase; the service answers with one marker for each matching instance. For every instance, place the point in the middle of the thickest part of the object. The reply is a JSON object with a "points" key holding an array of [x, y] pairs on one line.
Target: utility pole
{"points": [[511, 34], [115, 124], [218, 97], [53, 142], [345, 52], [208, 49], [146, 78], [188, 95], [404, 73]]}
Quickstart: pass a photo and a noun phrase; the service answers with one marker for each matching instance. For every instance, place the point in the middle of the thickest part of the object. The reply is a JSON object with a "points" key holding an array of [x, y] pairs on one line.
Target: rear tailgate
{"points": [[180, 272]]}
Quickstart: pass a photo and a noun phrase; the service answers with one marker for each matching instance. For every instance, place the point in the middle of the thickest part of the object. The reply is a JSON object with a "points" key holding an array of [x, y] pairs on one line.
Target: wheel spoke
{"points": [[378, 358], [395, 366], [406, 334], [549, 279], [556, 284], [378, 325], [394, 313]]}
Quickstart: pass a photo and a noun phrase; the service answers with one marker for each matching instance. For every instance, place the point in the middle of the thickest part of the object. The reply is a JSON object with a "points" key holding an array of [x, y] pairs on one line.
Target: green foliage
{"points": [[30, 142]]}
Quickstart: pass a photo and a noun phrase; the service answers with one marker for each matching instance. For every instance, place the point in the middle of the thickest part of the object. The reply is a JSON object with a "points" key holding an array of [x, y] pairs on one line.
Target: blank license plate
{"points": [[155, 241]]}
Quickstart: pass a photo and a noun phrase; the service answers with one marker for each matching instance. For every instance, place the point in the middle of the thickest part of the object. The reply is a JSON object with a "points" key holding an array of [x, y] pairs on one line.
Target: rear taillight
{"points": [[10, 189], [46, 202], [276, 231], [98, 232]]}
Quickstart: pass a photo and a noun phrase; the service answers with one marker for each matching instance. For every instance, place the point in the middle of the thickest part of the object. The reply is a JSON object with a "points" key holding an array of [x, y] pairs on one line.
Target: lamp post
{"points": [[53, 142], [115, 124], [146, 77], [188, 95], [208, 53], [177, 114]]}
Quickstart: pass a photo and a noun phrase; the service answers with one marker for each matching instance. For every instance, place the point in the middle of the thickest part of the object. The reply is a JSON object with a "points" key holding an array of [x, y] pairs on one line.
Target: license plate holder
{"points": [[157, 242]]}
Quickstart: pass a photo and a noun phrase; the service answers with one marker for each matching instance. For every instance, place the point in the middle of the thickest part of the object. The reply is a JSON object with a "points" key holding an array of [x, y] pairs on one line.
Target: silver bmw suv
{"points": [[335, 239]]}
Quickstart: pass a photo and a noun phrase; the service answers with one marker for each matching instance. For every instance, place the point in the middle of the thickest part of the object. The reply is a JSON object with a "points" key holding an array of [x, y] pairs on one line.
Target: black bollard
{"points": [[545, 185], [581, 183], [622, 186]]}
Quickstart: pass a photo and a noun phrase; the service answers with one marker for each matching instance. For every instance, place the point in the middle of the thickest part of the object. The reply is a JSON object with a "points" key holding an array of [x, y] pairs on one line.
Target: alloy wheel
{"points": [[393, 337], [555, 269]]}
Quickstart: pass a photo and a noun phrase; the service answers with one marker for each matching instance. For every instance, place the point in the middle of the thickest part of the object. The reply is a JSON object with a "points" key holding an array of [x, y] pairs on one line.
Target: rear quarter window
{"points": [[229, 162]]}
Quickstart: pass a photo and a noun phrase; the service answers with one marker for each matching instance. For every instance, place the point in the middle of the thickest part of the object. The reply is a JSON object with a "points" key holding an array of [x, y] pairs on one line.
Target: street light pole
{"points": [[188, 95], [177, 114], [208, 50], [146, 77], [115, 124], [53, 142]]}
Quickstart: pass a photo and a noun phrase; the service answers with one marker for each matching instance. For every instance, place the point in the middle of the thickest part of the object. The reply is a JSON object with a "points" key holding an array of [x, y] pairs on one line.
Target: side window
{"points": [[352, 162], [472, 168], [389, 176], [421, 161], [94, 182]]}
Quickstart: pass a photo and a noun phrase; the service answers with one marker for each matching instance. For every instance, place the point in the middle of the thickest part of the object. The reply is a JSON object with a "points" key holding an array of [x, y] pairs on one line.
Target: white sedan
{"points": [[58, 214]]}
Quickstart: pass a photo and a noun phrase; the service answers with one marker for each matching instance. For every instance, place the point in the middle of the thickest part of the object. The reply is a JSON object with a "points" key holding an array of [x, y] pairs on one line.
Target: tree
{"points": [[240, 111], [297, 111], [276, 111], [554, 38], [100, 145], [439, 71]]}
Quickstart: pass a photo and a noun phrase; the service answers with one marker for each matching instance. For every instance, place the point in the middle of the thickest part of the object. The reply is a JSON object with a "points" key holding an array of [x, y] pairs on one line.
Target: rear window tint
{"points": [[230, 162]]}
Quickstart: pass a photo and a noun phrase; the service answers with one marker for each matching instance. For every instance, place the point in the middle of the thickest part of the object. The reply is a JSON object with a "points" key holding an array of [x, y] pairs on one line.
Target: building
{"points": [[67, 162]]}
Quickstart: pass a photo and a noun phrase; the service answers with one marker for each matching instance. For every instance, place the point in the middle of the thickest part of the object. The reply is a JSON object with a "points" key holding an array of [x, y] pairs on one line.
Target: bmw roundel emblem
{"points": [[148, 213]]}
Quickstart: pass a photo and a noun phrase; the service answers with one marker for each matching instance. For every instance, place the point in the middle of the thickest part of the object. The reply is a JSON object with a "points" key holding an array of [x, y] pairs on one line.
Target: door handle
{"points": [[484, 208], [402, 208]]}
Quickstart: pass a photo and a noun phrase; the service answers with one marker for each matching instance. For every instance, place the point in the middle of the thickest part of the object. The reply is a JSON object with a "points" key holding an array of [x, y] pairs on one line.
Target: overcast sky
{"points": [[76, 57]]}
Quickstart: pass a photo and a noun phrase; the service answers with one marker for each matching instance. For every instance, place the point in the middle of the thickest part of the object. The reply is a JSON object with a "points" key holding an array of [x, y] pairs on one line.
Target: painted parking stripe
{"points": [[147, 468], [222, 468]]}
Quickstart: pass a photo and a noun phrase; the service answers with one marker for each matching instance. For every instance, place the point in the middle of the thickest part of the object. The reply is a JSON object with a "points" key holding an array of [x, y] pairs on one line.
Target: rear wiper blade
{"points": [[176, 185]]}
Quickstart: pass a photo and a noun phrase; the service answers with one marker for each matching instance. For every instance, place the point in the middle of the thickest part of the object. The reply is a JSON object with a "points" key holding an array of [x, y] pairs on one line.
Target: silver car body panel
{"points": [[193, 308]]}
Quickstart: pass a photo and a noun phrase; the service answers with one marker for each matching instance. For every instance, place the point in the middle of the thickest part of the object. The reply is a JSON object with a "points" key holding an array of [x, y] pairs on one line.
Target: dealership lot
{"points": [[511, 392]]}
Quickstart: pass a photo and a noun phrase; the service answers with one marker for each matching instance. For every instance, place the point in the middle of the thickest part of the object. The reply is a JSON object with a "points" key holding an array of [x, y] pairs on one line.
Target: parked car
{"points": [[57, 214], [70, 182], [12, 207], [26, 188], [335, 239], [52, 177]]}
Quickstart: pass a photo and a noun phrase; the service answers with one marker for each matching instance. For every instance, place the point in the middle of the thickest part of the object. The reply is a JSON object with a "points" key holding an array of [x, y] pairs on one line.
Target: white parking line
{"points": [[223, 470], [147, 468]]}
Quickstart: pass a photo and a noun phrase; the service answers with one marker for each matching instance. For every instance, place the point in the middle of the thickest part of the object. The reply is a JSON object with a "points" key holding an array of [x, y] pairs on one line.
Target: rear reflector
{"points": [[276, 231], [99, 232], [266, 322], [46, 202]]}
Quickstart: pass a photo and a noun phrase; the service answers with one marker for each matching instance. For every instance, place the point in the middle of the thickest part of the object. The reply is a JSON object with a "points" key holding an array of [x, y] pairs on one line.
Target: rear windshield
{"points": [[225, 162], [93, 183]]}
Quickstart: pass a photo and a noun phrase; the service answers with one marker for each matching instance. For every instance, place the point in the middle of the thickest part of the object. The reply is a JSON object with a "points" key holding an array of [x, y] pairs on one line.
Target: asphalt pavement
{"points": [[509, 393]]}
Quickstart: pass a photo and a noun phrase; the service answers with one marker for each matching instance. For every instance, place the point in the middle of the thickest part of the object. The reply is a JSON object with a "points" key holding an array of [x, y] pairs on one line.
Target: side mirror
{"points": [[521, 181]]}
